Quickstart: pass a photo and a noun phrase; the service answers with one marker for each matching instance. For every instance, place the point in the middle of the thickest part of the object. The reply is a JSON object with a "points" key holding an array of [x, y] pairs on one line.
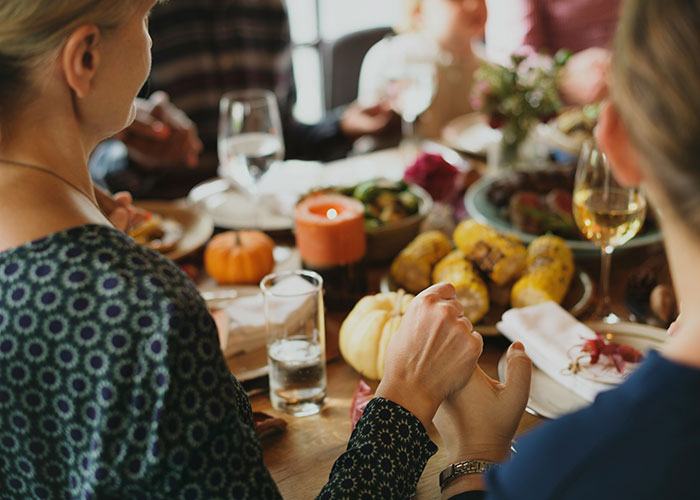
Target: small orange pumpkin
{"points": [[239, 257]]}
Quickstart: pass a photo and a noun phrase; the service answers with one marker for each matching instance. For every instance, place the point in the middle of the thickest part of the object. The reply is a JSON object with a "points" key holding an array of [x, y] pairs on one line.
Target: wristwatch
{"points": [[453, 471]]}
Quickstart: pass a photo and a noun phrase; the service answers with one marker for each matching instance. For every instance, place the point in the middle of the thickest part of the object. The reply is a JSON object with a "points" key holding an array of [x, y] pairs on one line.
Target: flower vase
{"points": [[515, 151]]}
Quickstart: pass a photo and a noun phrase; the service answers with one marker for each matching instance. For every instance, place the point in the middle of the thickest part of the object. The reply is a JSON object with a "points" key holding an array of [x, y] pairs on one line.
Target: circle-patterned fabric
{"points": [[113, 385]]}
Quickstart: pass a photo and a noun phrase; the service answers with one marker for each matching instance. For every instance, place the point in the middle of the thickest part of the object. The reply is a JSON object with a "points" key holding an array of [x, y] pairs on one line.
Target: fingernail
{"points": [[517, 346]]}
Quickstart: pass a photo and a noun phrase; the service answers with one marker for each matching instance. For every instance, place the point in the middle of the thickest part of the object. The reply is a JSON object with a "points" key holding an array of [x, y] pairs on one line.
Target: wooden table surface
{"points": [[300, 459]]}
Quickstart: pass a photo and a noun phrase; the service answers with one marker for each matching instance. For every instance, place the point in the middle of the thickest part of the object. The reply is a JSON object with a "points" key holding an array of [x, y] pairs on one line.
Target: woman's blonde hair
{"points": [[32, 30], [656, 87]]}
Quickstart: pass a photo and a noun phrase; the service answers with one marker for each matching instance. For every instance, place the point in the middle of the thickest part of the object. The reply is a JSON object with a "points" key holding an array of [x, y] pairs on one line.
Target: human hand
{"points": [[119, 209], [583, 79], [162, 135], [432, 354], [480, 420], [358, 121]]}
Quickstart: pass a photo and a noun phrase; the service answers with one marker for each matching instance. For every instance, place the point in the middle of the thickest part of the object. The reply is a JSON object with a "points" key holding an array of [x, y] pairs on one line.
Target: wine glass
{"points": [[250, 138], [607, 213], [411, 85]]}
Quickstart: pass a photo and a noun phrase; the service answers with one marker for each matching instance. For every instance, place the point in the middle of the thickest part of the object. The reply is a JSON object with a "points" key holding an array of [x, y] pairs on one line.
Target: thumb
{"points": [[518, 374]]}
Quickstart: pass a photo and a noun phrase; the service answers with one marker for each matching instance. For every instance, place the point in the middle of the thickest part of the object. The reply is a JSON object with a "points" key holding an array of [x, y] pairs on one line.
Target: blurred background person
{"points": [[585, 27], [440, 35], [202, 49]]}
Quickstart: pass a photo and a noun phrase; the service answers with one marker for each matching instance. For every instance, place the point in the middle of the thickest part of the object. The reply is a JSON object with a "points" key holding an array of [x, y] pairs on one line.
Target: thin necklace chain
{"points": [[51, 172]]}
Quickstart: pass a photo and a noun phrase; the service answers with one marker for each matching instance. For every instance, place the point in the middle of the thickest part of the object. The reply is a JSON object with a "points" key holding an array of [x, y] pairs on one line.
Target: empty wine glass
{"points": [[250, 137], [411, 85], [607, 213]]}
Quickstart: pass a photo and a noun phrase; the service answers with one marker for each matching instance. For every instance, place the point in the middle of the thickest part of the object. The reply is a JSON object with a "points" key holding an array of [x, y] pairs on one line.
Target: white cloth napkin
{"points": [[247, 317], [550, 336]]}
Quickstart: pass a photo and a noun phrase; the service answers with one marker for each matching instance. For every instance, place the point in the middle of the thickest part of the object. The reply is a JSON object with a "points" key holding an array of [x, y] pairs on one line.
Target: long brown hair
{"points": [[656, 87]]}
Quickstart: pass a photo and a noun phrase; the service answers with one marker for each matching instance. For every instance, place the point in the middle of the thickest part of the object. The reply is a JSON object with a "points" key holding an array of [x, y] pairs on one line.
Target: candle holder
{"points": [[330, 236]]}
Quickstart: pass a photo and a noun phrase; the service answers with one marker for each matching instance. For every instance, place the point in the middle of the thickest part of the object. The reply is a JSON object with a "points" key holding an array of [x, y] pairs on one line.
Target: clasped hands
{"points": [[431, 370]]}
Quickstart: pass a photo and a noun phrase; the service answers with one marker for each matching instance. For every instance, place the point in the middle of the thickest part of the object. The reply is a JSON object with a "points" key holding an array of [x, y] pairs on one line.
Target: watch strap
{"points": [[453, 471]]}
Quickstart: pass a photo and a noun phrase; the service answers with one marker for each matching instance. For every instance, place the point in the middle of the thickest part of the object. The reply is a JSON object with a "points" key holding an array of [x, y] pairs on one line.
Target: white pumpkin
{"points": [[365, 333]]}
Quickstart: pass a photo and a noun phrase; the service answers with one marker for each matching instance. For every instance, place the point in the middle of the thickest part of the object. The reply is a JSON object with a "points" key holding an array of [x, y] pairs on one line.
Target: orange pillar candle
{"points": [[330, 234], [330, 230]]}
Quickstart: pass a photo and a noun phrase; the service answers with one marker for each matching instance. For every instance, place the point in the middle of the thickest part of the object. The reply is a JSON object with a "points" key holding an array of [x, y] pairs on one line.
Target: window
{"points": [[314, 20]]}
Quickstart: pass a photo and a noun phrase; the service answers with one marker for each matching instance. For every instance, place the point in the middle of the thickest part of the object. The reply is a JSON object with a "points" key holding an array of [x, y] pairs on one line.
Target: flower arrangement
{"points": [[517, 96]]}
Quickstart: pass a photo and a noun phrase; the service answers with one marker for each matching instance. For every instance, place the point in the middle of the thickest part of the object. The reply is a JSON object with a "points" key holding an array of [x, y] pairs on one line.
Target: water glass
{"points": [[296, 346]]}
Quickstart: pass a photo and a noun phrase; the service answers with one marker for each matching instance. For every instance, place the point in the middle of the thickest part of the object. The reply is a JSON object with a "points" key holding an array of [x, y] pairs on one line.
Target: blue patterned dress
{"points": [[112, 385]]}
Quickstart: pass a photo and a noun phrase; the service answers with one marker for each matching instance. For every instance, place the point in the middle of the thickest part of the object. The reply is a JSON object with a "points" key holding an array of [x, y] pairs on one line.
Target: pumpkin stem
{"points": [[397, 305], [238, 239]]}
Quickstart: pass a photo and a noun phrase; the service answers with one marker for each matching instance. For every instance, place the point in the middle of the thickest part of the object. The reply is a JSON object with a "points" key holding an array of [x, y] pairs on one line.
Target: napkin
{"points": [[551, 336], [247, 316]]}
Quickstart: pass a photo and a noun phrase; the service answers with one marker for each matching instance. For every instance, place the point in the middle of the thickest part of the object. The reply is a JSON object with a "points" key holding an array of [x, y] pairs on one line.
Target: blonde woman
{"points": [[640, 440], [112, 384]]}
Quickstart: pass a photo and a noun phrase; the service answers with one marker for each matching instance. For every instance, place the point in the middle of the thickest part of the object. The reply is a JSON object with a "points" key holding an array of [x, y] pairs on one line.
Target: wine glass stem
{"points": [[605, 259], [408, 128], [255, 199]]}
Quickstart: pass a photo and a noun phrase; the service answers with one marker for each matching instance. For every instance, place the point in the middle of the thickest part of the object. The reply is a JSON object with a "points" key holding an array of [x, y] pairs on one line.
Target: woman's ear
{"points": [[80, 58], [611, 134]]}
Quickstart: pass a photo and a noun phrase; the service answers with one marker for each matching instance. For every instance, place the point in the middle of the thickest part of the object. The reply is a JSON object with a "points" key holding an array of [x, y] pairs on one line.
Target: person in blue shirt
{"points": [[640, 440]]}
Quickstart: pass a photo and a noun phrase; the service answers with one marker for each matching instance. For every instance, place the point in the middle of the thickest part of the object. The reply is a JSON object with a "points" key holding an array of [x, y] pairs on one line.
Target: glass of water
{"points": [[250, 137], [296, 341]]}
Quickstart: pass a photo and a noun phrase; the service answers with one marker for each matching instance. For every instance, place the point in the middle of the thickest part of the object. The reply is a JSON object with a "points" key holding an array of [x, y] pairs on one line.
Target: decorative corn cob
{"points": [[548, 274], [501, 258], [411, 268], [551, 247], [471, 290]]}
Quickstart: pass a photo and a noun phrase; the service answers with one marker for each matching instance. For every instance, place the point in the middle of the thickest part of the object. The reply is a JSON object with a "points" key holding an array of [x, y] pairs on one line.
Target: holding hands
{"points": [[432, 355], [431, 370]]}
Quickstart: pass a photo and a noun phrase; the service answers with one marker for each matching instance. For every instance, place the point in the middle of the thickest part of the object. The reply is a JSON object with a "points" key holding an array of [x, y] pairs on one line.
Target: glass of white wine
{"points": [[607, 213], [250, 137]]}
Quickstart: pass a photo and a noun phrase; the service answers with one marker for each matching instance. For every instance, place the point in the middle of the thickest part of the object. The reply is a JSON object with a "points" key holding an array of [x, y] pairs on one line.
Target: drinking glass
{"points": [[607, 213], [250, 136], [296, 353], [411, 85]]}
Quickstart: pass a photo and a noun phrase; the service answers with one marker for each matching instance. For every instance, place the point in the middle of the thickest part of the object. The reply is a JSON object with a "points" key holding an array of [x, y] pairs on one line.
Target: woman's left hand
{"points": [[480, 420]]}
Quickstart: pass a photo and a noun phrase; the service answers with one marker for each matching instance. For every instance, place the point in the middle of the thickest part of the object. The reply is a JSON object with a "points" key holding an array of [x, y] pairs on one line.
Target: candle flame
{"points": [[332, 213]]}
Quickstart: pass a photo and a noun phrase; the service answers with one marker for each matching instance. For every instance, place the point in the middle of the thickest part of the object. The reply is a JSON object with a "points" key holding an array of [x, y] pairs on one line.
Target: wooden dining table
{"points": [[301, 457]]}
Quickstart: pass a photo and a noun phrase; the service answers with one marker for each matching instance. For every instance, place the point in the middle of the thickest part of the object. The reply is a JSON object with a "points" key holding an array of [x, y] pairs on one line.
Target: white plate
{"points": [[549, 399], [482, 210], [232, 208], [197, 227], [470, 133]]}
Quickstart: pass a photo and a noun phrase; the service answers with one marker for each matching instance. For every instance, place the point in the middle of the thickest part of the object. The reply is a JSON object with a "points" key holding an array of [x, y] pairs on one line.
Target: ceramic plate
{"points": [[197, 227], [231, 207], [482, 210], [576, 301], [549, 399], [470, 133]]}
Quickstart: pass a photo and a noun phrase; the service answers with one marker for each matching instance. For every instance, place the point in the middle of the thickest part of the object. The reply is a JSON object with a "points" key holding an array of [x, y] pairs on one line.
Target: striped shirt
{"points": [[204, 48]]}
